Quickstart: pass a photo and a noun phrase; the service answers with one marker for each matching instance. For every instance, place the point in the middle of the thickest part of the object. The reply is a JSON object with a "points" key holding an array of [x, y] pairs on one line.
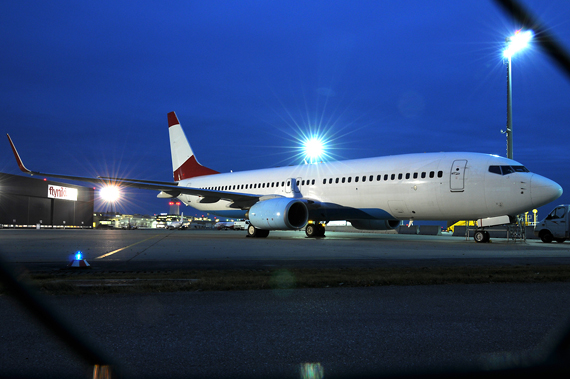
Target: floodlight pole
{"points": [[509, 109]]}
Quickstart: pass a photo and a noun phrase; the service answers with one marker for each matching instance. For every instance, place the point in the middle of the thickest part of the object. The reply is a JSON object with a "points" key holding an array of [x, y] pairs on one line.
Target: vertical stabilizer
{"points": [[184, 163]]}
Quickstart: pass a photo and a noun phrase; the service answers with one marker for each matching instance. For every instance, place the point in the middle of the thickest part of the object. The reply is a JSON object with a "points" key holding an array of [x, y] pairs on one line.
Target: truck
{"points": [[555, 226], [241, 225]]}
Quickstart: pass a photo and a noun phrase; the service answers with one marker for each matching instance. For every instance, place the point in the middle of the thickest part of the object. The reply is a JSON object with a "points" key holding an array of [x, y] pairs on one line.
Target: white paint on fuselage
{"points": [[484, 194]]}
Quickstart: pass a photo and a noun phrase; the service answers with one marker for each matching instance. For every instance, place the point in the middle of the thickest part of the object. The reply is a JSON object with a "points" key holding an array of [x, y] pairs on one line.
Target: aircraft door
{"points": [[292, 185], [457, 177]]}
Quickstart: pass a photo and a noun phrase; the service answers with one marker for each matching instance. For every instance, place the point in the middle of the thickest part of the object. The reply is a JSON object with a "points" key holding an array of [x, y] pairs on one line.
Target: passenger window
{"points": [[440, 174], [330, 181], [313, 182], [400, 176], [431, 174], [303, 182], [325, 181], [393, 176], [371, 178], [385, 176], [378, 178], [407, 175], [343, 180], [288, 183], [415, 175], [363, 178], [356, 178], [349, 178], [423, 175], [336, 180]]}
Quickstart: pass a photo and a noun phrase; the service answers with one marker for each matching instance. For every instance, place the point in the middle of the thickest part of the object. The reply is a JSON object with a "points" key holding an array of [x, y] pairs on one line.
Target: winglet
{"points": [[18, 159]]}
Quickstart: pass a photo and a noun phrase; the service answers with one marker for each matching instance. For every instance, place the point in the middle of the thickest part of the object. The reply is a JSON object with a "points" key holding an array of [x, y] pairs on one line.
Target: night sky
{"points": [[86, 86]]}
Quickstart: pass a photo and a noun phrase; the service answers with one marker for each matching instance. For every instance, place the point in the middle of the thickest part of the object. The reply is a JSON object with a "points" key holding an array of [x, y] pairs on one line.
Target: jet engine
{"points": [[279, 214], [375, 224]]}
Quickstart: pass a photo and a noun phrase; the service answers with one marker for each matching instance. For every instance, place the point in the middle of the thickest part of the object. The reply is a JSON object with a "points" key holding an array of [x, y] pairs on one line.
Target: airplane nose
{"points": [[543, 190]]}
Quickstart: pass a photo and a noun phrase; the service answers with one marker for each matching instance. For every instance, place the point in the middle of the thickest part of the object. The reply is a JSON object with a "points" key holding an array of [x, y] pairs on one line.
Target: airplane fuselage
{"points": [[430, 186]]}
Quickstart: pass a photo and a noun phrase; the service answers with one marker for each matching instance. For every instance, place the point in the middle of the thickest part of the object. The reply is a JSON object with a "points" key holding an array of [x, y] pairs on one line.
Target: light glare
{"points": [[313, 148], [517, 42], [110, 193]]}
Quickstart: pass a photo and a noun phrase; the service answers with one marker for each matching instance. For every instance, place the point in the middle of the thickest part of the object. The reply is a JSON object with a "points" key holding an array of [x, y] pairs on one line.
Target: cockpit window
{"points": [[495, 169], [505, 170], [520, 169]]}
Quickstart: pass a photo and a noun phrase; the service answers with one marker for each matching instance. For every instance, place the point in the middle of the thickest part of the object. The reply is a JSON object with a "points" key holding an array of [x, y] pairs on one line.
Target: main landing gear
{"points": [[311, 230], [252, 231], [315, 230]]}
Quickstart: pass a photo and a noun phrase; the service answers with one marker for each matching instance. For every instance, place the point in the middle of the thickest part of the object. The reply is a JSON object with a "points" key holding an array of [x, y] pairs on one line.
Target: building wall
{"points": [[25, 200]]}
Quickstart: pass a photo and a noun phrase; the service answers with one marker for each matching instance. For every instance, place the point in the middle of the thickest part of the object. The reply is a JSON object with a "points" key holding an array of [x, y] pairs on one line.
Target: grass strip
{"points": [[229, 280]]}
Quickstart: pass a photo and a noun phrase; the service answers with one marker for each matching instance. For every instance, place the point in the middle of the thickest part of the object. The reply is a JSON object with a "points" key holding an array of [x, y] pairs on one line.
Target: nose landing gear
{"points": [[481, 236]]}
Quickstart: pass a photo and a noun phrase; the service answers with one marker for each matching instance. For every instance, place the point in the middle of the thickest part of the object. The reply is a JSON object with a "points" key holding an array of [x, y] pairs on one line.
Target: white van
{"points": [[555, 226], [241, 225]]}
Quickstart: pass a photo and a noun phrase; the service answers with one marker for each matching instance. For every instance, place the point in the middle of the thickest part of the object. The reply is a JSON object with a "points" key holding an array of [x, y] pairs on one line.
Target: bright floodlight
{"points": [[517, 42], [313, 148], [110, 193]]}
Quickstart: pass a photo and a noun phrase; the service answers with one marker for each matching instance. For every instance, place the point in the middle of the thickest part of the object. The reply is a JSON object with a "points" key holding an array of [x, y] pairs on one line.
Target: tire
{"points": [[480, 236], [252, 231], [560, 240], [315, 230], [546, 236], [311, 230]]}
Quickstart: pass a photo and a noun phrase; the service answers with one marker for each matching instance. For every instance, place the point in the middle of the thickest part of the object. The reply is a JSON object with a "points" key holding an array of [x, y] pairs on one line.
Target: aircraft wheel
{"points": [[546, 236], [311, 230], [252, 231], [481, 236], [560, 240], [314, 230]]}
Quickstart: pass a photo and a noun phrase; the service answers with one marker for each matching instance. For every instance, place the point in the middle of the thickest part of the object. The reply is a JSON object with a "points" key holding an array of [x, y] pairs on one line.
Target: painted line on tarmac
{"points": [[126, 247]]}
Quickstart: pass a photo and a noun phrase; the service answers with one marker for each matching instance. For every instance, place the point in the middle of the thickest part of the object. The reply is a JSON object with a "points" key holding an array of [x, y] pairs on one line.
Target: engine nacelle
{"points": [[375, 224], [279, 214]]}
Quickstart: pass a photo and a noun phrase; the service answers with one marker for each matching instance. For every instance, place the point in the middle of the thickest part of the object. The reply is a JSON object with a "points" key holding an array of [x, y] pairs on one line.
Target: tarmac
{"points": [[339, 331], [154, 249]]}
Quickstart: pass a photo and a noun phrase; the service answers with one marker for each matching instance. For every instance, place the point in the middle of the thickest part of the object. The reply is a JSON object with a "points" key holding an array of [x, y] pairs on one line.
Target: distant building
{"points": [[28, 202]]}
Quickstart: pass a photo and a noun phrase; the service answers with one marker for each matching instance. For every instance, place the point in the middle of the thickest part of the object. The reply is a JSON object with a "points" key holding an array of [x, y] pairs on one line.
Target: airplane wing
{"points": [[240, 200]]}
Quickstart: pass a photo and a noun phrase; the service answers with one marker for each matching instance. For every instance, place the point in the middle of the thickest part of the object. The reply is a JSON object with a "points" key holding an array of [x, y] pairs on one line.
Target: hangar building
{"points": [[27, 202]]}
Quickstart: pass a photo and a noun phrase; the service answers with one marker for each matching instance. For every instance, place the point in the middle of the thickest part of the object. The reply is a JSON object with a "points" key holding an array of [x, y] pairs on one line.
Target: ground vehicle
{"points": [[555, 226], [241, 225]]}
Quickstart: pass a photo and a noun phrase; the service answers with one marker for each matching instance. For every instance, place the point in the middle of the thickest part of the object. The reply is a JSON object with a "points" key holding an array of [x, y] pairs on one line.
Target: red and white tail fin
{"points": [[184, 163]]}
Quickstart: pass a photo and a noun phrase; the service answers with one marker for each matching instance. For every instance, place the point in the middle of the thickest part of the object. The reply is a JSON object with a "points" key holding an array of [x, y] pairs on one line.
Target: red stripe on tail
{"points": [[172, 119], [190, 169]]}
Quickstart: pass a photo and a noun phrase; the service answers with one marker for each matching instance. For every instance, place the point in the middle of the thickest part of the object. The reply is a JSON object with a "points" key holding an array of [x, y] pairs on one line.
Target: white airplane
{"points": [[177, 224], [371, 193], [224, 225]]}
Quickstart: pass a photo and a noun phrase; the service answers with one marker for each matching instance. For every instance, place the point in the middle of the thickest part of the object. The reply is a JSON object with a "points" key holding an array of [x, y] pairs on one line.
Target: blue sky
{"points": [[86, 86]]}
